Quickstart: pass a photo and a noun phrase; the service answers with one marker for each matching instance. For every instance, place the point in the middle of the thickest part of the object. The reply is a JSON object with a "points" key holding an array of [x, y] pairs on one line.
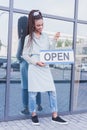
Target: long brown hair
{"points": [[33, 15]]}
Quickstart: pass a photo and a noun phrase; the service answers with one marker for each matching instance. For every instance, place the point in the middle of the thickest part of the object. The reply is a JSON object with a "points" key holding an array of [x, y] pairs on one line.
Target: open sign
{"points": [[57, 56]]}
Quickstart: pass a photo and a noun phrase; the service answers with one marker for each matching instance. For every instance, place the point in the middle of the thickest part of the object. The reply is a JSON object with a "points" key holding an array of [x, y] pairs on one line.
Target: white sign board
{"points": [[57, 56]]}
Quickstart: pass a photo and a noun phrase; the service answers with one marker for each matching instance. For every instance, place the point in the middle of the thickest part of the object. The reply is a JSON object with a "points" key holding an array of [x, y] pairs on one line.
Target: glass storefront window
{"points": [[82, 9], [61, 72], [62, 8], [4, 2], [15, 84], [3, 58], [80, 87]]}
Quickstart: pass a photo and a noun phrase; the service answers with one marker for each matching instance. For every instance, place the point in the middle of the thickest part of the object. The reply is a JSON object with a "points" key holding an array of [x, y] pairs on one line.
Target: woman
{"points": [[22, 26], [40, 78]]}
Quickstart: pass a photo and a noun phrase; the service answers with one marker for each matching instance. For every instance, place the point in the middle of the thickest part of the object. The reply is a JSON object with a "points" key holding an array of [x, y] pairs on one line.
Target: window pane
{"points": [[57, 7], [3, 58], [15, 79], [4, 2], [82, 9], [80, 88], [52, 26]]}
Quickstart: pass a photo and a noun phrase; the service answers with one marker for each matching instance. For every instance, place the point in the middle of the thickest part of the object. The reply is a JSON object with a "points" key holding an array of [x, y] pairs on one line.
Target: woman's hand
{"points": [[56, 36], [41, 64]]}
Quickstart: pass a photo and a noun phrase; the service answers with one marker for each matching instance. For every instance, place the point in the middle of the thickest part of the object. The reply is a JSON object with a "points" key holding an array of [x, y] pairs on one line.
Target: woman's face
{"points": [[39, 25]]}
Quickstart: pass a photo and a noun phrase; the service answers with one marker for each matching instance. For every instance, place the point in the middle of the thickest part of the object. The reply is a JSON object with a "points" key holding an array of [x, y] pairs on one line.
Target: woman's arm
{"points": [[26, 54]]}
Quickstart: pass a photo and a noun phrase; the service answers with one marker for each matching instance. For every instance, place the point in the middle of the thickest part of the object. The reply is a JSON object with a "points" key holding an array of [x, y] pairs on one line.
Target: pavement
{"points": [[75, 122]]}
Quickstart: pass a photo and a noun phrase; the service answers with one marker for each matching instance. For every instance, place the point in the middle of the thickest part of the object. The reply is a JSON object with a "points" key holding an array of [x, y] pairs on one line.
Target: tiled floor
{"points": [[75, 122]]}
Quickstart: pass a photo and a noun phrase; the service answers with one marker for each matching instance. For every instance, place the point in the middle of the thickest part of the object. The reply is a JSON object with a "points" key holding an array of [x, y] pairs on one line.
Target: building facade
{"points": [[67, 17]]}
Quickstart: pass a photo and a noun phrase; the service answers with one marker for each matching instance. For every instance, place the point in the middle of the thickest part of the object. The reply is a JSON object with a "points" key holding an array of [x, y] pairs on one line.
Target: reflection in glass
{"points": [[62, 8], [15, 79], [3, 42], [65, 29], [80, 88], [82, 10], [4, 2], [3, 58]]}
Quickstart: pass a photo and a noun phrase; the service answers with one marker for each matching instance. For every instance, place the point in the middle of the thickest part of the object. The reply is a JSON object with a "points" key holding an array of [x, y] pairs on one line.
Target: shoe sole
{"points": [[37, 124], [61, 123]]}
